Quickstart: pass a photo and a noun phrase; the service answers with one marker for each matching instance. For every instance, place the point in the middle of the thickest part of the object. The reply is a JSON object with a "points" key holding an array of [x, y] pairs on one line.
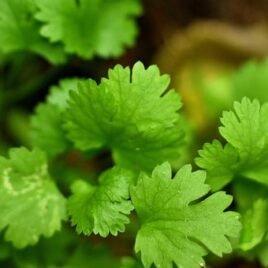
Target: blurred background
{"points": [[215, 52]]}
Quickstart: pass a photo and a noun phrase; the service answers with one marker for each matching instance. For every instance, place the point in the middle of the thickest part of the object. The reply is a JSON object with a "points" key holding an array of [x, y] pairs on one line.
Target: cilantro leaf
{"points": [[19, 31], [128, 113], [47, 130], [255, 225], [246, 128], [88, 27], [252, 202], [243, 161], [219, 162], [246, 153], [102, 209], [175, 227], [59, 94], [30, 203]]}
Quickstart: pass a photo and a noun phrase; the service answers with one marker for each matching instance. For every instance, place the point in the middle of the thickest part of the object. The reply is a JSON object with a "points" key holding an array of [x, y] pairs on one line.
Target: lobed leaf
{"points": [[129, 113], [19, 31], [175, 226], [30, 203], [102, 209], [89, 28]]}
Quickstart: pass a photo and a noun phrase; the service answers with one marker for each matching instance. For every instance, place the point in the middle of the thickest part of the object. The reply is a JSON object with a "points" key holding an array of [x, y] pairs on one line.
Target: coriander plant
{"points": [[108, 172]]}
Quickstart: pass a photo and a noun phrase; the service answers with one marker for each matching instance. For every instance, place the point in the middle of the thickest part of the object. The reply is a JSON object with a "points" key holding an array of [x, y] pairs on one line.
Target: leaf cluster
{"points": [[54, 29], [133, 115]]}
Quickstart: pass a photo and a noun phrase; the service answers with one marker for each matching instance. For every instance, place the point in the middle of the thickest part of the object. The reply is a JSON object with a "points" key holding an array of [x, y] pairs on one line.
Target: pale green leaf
{"points": [[59, 95], [30, 203]]}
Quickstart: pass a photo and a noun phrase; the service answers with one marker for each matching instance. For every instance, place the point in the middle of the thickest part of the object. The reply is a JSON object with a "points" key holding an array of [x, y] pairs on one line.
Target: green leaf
{"points": [[175, 226], [219, 162], [251, 80], [255, 225], [20, 32], [47, 122], [47, 131], [102, 209], [59, 95], [30, 203], [246, 153], [243, 161], [90, 28], [252, 203], [246, 128], [131, 114]]}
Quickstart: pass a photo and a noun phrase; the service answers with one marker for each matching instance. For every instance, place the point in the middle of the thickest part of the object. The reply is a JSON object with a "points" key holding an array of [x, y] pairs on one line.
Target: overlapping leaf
{"points": [[243, 160], [246, 151], [175, 227], [102, 209], [19, 31], [47, 130]]}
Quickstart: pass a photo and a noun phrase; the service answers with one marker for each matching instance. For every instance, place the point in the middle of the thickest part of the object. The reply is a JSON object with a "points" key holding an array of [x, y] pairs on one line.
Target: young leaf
{"points": [[90, 28], [47, 130], [19, 31], [219, 162], [246, 128], [246, 153], [102, 209], [30, 203], [128, 113], [175, 226], [244, 160]]}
